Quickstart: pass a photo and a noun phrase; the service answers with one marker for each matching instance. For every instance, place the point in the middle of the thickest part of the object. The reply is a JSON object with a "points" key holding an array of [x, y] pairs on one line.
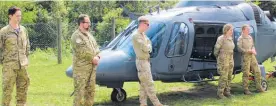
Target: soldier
{"points": [[85, 60], [142, 47], [249, 61], [14, 46], [224, 52]]}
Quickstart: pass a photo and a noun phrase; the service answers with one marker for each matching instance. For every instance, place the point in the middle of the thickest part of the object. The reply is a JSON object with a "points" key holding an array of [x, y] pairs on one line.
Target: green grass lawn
{"points": [[51, 87]]}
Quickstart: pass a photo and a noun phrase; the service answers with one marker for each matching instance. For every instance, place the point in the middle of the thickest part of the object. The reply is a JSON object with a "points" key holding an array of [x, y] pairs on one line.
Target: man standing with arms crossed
{"points": [[85, 61], [142, 47], [14, 46]]}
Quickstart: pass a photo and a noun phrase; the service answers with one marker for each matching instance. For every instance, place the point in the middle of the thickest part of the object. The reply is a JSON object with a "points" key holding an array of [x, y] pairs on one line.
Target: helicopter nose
{"points": [[111, 66]]}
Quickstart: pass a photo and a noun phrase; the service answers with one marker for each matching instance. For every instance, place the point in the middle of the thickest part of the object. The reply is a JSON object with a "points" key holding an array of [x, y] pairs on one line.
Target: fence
{"points": [[57, 35]]}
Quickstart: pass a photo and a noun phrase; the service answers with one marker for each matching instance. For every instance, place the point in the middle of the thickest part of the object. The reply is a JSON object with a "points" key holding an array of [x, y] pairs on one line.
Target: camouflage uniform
{"points": [[85, 48], [142, 48], [15, 48], [224, 52], [245, 44]]}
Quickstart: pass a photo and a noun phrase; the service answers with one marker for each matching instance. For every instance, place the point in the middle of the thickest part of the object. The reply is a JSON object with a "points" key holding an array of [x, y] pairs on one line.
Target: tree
{"points": [[29, 11], [269, 5], [105, 26]]}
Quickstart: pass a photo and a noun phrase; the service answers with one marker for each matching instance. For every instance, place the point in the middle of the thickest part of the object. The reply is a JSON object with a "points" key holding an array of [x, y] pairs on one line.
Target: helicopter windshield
{"points": [[154, 33], [120, 35]]}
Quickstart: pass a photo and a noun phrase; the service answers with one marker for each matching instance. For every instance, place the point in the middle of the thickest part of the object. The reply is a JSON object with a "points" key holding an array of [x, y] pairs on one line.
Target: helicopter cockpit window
{"points": [[155, 32], [178, 41], [156, 37], [120, 35]]}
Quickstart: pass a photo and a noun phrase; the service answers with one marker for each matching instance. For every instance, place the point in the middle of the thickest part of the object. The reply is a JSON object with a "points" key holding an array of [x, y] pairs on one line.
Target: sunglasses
{"points": [[86, 22], [147, 24]]}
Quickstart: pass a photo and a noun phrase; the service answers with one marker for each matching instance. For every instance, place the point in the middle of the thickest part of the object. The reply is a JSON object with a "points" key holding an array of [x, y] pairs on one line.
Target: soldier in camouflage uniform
{"points": [[142, 47], [249, 61], [14, 46], [85, 60], [224, 52]]}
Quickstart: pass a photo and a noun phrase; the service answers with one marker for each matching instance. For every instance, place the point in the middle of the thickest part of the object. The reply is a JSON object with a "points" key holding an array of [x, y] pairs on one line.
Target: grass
{"points": [[51, 87]]}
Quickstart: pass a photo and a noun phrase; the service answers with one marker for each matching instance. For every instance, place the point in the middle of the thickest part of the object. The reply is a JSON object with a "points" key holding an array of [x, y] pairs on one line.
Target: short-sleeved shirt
{"points": [[141, 45]]}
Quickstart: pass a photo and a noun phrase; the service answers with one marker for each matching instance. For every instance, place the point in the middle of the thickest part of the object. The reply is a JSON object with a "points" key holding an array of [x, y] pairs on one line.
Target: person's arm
{"points": [[253, 47], [143, 45], [240, 46], [96, 57], [218, 46], [1, 46], [28, 44], [149, 45]]}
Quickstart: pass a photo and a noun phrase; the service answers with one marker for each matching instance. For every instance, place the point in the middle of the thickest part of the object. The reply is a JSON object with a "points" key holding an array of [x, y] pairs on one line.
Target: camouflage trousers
{"points": [[21, 79], [249, 61], [225, 65], [146, 83], [84, 85]]}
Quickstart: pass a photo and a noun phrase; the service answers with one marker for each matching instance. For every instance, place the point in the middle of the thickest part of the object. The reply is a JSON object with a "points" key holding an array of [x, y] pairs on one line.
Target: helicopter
{"points": [[183, 40]]}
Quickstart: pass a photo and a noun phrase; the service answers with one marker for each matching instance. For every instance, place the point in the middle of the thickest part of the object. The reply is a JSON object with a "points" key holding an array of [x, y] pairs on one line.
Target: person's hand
{"points": [[150, 48], [254, 51], [95, 60], [250, 51]]}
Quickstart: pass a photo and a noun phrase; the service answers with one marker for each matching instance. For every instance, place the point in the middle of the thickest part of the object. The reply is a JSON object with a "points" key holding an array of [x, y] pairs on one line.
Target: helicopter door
{"points": [[179, 47]]}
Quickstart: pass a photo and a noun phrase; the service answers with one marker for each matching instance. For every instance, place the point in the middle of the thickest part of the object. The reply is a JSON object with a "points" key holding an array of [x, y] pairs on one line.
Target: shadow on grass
{"points": [[198, 93], [48, 94]]}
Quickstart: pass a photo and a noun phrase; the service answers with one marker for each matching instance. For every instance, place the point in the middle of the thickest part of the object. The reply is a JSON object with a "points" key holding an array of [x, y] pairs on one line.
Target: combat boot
{"points": [[228, 94], [247, 92], [221, 96], [261, 90], [23, 104]]}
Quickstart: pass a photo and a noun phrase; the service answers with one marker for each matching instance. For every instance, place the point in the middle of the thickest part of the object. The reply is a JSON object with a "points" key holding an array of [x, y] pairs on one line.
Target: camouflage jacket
{"points": [[224, 45], [14, 47], [141, 45], [245, 43], [84, 47]]}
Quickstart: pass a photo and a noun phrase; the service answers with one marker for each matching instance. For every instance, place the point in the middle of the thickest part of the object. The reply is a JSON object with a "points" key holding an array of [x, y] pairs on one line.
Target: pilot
{"points": [[85, 60], [249, 61], [224, 53], [142, 47], [14, 46]]}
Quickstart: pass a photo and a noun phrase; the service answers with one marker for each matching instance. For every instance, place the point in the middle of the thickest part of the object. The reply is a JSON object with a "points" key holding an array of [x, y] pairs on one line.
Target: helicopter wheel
{"points": [[118, 95], [264, 85]]}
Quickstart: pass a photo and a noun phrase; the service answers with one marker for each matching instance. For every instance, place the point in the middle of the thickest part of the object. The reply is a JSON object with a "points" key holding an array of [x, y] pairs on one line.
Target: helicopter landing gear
{"points": [[118, 95]]}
